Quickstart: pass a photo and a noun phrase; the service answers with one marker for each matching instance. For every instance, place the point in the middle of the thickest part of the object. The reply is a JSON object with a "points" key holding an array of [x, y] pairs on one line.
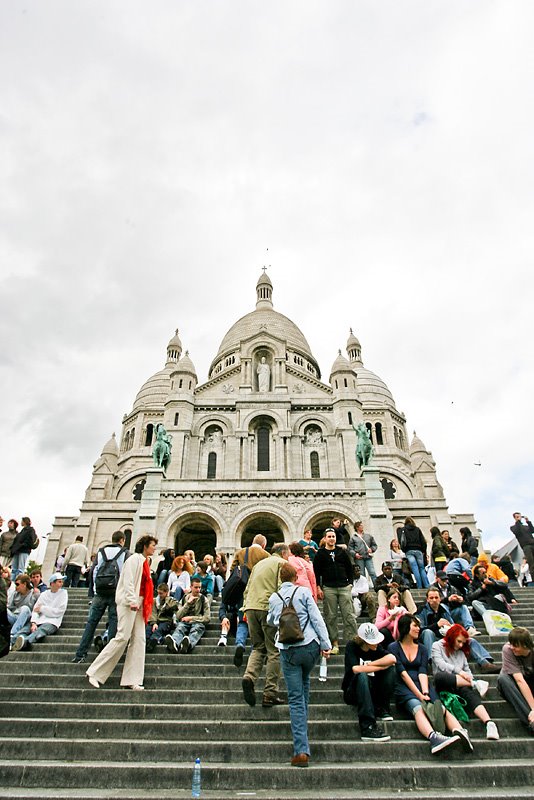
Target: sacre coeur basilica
{"points": [[264, 445]]}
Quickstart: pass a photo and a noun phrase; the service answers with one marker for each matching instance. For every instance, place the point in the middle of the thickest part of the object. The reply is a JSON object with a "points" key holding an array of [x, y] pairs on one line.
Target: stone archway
{"points": [[197, 532], [272, 527], [319, 522]]}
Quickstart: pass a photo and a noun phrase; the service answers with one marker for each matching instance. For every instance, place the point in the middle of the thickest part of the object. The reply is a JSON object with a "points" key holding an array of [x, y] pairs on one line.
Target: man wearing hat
{"points": [[47, 614], [369, 681], [455, 602]]}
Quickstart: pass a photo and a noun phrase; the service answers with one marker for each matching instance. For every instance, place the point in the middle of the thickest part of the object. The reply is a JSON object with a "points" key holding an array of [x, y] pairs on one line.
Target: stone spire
{"points": [[174, 349], [264, 291], [354, 350]]}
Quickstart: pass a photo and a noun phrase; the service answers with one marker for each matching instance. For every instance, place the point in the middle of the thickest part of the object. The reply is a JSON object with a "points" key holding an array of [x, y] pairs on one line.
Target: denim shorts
{"points": [[413, 705]]}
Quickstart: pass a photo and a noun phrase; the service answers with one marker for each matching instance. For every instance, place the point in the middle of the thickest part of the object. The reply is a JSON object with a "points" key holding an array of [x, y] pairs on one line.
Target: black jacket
{"points": [[333, 567], [23, 541], [523, 533], [411, 538]]}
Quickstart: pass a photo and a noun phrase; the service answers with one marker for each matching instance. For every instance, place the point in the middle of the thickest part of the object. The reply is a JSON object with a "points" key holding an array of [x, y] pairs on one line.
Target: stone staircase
{"points": [[61, 738]]}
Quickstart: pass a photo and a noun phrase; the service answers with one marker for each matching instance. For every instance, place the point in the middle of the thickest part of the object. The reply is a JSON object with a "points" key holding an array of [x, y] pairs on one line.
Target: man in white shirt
{"points": [[47, 614]]}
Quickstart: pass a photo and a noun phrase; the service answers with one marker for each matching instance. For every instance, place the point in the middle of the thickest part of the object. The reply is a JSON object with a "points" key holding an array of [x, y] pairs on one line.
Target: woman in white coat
{"points": [[134, 596]]}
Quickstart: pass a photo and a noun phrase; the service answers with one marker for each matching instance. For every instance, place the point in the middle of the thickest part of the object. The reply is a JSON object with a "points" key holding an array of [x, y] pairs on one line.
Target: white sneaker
{"points": [[491, 731], [223, 641], [136, 687], [473, 632], [481, 687], [93, 681]]}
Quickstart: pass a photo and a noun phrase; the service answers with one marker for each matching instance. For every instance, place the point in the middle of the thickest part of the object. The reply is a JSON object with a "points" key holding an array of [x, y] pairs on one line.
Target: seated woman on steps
{"points": [[452, 674], [412, 691], [388, 616]]}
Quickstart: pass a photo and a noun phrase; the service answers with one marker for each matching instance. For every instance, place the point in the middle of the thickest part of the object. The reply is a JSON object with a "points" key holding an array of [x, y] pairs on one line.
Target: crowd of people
{"points": [[417, 656]]}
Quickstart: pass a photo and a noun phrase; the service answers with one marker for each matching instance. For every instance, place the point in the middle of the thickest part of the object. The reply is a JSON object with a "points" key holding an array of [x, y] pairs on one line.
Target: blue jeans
{"points": [[44, 630], [99, 604], [371, 693], [297, 663], [18, 565], [161, 631], [478, 651], [219, 583], [20, 622], [193, 630], [416, 560], [163, 575], [73, 573], [463, 616], [367, 564]]}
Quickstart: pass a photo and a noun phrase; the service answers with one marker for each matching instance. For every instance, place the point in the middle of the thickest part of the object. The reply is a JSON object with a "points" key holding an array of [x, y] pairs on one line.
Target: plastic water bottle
{"points": [[195, 785], [323, 669]]}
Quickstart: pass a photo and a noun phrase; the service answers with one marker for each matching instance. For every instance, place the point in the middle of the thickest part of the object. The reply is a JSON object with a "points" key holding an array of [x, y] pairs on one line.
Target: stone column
{"points": [[145, 518], [380, 517]]}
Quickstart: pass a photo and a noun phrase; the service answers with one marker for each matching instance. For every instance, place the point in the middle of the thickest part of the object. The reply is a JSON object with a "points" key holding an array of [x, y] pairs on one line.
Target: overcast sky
{"points": [[381, 151]]}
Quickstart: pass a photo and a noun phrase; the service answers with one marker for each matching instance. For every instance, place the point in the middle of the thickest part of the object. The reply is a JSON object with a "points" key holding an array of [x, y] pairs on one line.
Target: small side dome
{"points": [[186, 365], [417, 445], [154, 392], [341, 364], [111, 448]]}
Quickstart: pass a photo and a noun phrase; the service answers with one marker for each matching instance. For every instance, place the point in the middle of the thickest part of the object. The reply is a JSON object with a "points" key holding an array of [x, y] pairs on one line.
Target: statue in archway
{"points": [[264, 375], [364, 446], [161, 451]]}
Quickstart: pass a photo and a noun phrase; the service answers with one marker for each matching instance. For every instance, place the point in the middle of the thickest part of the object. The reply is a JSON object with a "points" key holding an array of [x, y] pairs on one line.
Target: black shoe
{"points": [[464, 739], [78, 660], [151, 645], [98, 643], [238, 655], [248, 691], [269, 702], [185, 646], [375, 734], [172, 647], [383, 715]]}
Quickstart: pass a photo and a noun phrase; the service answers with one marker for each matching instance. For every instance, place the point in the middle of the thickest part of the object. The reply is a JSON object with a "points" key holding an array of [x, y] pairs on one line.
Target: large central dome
{"points": [[264, 318]]}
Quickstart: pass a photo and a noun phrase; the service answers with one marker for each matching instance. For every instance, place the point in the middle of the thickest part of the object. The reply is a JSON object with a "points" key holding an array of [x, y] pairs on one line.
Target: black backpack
{"points": [[234, 588], [107, 577], [289, 628]]}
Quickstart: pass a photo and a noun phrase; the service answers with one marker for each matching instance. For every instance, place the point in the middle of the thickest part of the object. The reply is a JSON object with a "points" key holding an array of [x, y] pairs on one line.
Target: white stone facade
{"points": [[263, 446]]}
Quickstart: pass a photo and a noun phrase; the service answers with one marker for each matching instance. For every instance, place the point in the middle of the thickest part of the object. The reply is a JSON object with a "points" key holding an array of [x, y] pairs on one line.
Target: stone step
{"points": [[448, 771], [120, 704], [149, 730], [343, 751], [177, 793]]}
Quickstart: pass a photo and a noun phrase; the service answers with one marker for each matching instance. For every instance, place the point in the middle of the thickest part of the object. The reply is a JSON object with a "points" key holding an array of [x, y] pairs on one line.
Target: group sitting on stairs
{"points": [[388, 658]]}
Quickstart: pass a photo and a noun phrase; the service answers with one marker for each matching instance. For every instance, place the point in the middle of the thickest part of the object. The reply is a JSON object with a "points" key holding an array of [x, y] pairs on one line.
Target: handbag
{"points": [[456, 705], [435, 713]]}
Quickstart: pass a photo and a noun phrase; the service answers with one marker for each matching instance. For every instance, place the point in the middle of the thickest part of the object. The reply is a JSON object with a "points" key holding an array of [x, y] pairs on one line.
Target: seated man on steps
{"points": [[192, 616], [161, 620], [47, 614], [387, 581], [20, 606], [516, 681]]}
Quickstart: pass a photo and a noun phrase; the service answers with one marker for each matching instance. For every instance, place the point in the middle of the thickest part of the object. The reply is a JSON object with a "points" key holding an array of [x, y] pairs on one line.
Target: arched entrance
{"points": [[321, 521], [195, 532], [267, 524]]}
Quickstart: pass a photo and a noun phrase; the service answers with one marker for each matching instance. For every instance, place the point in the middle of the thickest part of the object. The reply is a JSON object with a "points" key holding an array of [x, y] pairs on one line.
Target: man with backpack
{"points": [[109, 564], [264, 580]]}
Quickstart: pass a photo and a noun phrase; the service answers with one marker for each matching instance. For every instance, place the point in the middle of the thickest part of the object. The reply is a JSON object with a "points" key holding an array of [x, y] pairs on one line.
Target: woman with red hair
{"points": [[453, 674]]}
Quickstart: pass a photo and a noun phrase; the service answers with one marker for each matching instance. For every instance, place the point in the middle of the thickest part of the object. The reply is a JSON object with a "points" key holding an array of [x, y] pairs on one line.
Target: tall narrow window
{"points": [[395, 431], [149, 434], [263, 436], [314, 464], [176, 418], [212, 466], [350, 418], [378, 433], [370, 429]]}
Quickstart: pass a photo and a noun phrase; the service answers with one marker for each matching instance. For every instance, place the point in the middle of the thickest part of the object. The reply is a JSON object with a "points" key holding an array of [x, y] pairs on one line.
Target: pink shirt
{"points": [[305, 574], [382, 620]]}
